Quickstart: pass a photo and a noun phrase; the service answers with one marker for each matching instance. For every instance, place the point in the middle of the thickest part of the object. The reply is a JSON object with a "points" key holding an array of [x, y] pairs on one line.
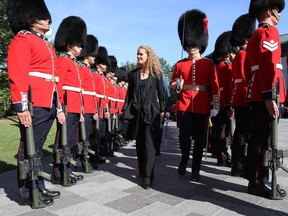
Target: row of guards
{"points": [[75, 82], [240, 84]]}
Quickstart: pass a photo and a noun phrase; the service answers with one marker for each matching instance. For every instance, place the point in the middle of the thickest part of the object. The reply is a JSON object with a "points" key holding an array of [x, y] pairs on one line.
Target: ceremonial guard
{"points": [[195, 80], [33, 76], [87, 57], [112, 95], [101, 84], [242, 29], [221, 135], [263, 60], [70, 38]]}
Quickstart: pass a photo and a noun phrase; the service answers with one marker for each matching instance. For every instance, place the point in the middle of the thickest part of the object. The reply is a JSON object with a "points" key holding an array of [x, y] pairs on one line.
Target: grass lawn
{"points": [[9, 143]]}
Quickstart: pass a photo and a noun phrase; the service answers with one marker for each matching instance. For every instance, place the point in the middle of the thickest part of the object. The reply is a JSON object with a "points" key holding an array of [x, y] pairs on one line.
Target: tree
{"points": [[128, 65], [166, 68], [5, 37]]}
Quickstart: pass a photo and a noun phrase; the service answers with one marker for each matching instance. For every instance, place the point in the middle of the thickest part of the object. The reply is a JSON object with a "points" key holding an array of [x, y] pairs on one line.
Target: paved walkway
{"points": [[114, 189]]}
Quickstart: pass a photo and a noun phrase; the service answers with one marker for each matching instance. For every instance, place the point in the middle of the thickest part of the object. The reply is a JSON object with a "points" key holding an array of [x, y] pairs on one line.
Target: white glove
{"points": [[179, 85], [214, 112], [167, 115]]}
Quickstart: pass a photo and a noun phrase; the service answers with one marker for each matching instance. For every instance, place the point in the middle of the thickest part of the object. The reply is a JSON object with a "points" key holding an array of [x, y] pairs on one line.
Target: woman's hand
{"points": [[161, 117]]}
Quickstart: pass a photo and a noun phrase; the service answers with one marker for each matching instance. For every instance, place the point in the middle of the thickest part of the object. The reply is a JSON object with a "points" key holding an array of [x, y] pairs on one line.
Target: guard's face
{"points": [[75, 50], [91, 59], [193, 50], [275, 14], [142, 56], [41, 26]]}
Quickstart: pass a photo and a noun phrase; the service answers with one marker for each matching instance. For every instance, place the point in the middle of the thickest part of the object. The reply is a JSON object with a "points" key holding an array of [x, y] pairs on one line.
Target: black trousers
{"points": [[145, 149], [88, 122], [259, 141], [72, 122], [192, 126], [220, 131], [42, 121], [241, 133], [159, 134]]}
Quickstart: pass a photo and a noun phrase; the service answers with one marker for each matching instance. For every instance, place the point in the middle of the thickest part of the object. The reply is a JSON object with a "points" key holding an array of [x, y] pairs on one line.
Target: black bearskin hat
{"points": [[222, 47], [195, 32], [73, 31], [258, 5], [123, 73], [102, 56], [22, 13], [242, 29], [113, 66], [91, 47]]}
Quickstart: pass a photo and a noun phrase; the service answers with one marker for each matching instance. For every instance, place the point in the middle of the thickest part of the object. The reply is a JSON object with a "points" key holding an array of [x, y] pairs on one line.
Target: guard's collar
{"points": [[37, 34]]}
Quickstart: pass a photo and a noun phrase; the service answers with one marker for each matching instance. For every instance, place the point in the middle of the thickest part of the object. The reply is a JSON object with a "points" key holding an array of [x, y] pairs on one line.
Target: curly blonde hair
{"points": [[153, 64]]}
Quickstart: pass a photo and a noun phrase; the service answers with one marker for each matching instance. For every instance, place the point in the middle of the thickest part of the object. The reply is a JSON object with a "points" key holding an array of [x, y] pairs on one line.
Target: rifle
{"points": [[207, 136], [97, 121], [275, 155], [83, 148], [31, 168], [63, 155], [110, 136]]}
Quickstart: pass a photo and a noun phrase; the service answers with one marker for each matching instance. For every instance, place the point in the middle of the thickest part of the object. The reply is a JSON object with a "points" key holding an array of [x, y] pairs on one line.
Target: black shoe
{"points": [[228, 163], [157, 153], [182, 169], [224, 163], [259, 190], [72, 180], [195, 176], [146, 186], [52, 194], [146, 183], [97, 160], [46, 200], [235, 172], [76, 177]]}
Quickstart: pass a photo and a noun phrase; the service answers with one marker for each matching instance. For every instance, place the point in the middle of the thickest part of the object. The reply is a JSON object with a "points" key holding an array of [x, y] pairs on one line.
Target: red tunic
{"points": [[263, 60], [240, 80], [88, 87], [111, 94], [70, 79], [225, 81], [205, 75], [121, 99], [30, 53], [101, 89]]}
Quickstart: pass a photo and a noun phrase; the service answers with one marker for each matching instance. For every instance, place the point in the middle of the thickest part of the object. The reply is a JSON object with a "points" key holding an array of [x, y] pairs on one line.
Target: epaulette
{"points": [[265, 25], [81, 64], [62, 54], [227, 61], [183, 60], [207, 59], [24, 32], [93, 71]]}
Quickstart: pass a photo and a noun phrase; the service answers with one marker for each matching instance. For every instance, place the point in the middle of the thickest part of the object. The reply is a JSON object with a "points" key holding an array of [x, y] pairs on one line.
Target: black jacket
{"points": [[148, 105]]}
